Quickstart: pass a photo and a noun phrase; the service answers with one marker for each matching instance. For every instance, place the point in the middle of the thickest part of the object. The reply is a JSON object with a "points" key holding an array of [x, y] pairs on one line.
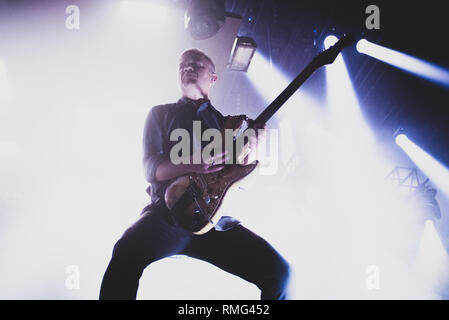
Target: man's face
{"points": [[196, 73]]}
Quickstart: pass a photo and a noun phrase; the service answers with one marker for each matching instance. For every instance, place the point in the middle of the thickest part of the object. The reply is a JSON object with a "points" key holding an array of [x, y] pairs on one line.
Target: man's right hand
{"points": [[167, 170], [210, 164]]}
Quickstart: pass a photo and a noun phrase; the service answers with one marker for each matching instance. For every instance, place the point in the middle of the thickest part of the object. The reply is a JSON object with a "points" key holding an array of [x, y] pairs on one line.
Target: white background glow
{"points": [[144, 11]]}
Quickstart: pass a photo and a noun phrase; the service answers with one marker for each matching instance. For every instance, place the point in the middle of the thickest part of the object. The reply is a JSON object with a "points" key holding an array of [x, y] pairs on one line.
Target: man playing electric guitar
{"points": [[229, 245]]}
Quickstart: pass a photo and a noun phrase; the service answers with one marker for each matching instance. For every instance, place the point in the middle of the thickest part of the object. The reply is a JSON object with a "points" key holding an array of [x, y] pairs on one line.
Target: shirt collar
{"points": [[197, 105]]}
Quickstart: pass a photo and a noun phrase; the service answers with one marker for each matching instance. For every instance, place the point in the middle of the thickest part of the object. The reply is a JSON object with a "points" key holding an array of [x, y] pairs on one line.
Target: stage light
{"points": [[204, 18], [330, 41], [144, 10], [269, 81], [405, 62], [343, 103], [361, 45], [401, 139], [266, 79], [241, 54], [433, 169]]}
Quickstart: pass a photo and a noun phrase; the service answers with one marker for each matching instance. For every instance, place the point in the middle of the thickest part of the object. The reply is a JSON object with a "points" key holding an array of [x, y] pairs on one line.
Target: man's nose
{"points": [[189, 67]]}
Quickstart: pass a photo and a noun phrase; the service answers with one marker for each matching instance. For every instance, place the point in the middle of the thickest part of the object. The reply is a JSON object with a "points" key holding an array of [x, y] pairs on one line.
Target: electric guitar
{"points": [[194, 200]]}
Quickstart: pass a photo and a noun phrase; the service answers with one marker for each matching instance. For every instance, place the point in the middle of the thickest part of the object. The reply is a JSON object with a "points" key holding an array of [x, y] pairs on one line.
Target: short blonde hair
{"points": [[195, 51]]}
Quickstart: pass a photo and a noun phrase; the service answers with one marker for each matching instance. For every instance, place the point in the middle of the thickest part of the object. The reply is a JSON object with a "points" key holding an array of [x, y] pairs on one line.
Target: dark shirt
{"points": [[160, 122]]}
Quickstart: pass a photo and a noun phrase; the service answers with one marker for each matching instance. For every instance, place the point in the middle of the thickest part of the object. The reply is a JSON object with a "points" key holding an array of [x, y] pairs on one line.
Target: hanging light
{"points": [[241, 54], [204, 18]]}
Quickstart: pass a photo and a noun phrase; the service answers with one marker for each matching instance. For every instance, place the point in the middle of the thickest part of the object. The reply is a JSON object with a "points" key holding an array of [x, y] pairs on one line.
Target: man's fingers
{"points": [[219, 157], [256, 125], [222, 159], [235, 122], [211, 160], [215, 168], [244, 152]]}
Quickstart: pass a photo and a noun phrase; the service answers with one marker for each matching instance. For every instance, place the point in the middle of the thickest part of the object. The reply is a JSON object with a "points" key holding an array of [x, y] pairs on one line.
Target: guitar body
{"points": [[194, 200]]}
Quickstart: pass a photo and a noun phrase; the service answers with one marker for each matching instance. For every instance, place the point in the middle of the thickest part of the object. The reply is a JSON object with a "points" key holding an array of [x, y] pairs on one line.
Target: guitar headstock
{"points": [[328, 56]]}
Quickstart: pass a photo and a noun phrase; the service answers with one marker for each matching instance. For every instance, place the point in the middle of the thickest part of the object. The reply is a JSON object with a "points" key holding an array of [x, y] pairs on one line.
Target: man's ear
{"points": [[213, 78]]}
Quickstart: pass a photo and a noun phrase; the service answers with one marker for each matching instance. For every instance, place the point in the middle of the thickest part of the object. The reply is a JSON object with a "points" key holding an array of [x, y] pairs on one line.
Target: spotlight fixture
{"points": [[361, 45], [330, 41], [204, 18], [241, 54], [399, 136]]}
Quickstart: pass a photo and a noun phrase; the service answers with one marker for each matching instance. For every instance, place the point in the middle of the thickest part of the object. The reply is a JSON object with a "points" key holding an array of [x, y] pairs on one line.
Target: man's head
{"points": [[196, 74]]}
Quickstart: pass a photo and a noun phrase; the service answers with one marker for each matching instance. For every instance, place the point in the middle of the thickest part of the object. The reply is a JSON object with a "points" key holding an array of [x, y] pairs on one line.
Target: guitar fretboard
{"points": [[286, 93]]}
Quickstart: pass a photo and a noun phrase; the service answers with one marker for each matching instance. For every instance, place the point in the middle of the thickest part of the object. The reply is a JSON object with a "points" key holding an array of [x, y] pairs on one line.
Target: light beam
{"points": [[433, 169], [405, 62]]}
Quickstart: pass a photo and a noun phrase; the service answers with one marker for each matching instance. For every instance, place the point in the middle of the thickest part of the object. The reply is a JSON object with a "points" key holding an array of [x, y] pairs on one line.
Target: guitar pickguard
{"points": [[201, 213]]}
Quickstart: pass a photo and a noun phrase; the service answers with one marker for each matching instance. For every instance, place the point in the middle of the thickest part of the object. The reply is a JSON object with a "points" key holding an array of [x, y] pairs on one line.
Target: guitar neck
{"points": [[328, 56], [286, 94]]}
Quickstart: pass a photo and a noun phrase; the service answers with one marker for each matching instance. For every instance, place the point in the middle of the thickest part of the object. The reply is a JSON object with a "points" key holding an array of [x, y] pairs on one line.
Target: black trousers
{"points": [[153, 237]]}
